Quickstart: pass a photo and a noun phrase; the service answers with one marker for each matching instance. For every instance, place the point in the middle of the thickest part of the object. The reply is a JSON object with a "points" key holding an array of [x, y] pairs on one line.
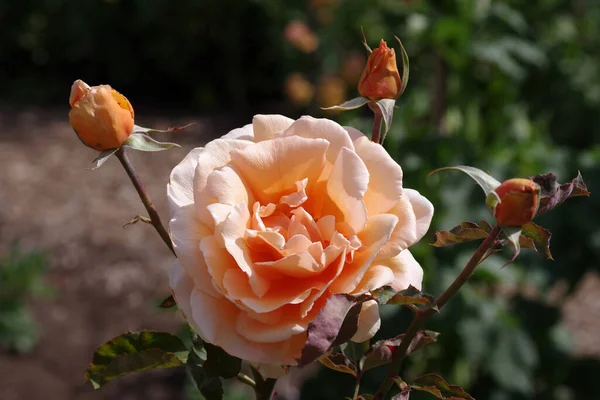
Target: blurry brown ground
{"points": [[107, 278]]}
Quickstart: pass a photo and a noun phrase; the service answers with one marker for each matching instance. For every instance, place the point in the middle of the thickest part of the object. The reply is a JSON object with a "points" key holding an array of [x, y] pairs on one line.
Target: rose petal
{"points": [[423, 211], [273, 167], [385, 183], [368, 321], [298, 265], [346, 188], [180, 190], [354, 133], [405, 268], [233, 232], [329, 130], [223, 186], [266, 126], [186, 233], [217, 326], [376, 277], [376, 233], [244, 133], [215, 155]]}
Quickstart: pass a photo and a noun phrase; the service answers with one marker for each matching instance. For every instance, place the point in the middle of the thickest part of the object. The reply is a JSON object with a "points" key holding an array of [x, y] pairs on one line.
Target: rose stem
{"points": [[375, 136], [154, 217], [421, 316]]}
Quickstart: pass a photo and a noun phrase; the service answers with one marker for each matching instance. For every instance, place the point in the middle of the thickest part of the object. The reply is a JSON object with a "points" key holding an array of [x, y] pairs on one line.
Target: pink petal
{"points": [[266, 126], [368, 321]]}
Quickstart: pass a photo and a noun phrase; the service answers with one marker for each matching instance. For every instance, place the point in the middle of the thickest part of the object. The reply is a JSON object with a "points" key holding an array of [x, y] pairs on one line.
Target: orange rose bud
{"points": [[380, 78], [101, 116], [519, 200]]}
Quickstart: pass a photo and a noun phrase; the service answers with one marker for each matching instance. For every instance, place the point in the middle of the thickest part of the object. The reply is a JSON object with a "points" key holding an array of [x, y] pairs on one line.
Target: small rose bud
{"points": [[380, 78], [518, 201], [101, 116]]}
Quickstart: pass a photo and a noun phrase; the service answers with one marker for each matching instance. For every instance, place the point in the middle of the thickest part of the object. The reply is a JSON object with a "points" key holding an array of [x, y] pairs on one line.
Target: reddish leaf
{"points": [[335, 324], [437, 386], [339, 362], [381, 353], [465, 232], [404, 389], [412, 296], [554, 195], [539, 237]]}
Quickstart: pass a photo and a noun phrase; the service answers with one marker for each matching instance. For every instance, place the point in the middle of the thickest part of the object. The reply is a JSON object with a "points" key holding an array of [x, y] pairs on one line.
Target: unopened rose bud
{"points": [[518, 201], [101, 116], [380, 78]]}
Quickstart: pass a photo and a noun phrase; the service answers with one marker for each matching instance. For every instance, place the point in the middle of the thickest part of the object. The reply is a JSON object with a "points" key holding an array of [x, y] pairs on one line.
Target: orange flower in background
{"points": [[380, 78], [299, 90], [519, 200], [274, 218], [101, 116], [301, 36], [331, 91]]}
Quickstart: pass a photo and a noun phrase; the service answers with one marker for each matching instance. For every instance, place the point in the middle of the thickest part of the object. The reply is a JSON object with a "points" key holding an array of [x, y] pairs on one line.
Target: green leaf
{"points": [[143, 142], [102, 157], [219, 363], [356, 351], [484, 180], [513, 360], [387, 109], [540, 238], [211, 387], [437, 386], [339, 362], [465, 232], [405, 66], [134, 352], [355, 103]]}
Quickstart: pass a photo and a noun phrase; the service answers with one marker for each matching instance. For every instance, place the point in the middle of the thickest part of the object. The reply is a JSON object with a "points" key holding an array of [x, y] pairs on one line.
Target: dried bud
{"points": [[380, 78], [517, 202], [101, 116]]}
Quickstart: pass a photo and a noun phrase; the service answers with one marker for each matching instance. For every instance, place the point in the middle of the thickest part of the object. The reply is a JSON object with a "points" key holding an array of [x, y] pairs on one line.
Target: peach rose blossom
{"points": [[102, 117], [272, 219]]}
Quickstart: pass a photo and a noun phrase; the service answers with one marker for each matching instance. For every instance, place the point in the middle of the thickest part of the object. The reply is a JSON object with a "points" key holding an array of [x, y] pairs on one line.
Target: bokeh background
{"points": [[509, 86]]}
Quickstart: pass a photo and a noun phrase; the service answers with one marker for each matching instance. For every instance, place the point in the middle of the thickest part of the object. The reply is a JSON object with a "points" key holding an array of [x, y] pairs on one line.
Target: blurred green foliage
{"points": [[508, 86], [20, 281]]}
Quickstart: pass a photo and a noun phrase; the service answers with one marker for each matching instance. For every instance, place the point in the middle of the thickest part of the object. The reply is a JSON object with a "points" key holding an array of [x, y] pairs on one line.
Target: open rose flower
{"points": [[272, 219]]}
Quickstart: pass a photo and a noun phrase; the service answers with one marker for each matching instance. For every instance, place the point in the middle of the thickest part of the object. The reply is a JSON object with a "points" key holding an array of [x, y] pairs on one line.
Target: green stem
{"points": [[137, 183], [357, 386], [420, 317]]}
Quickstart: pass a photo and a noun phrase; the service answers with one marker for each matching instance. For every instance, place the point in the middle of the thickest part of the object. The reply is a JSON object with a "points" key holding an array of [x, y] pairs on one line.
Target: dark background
{"points": [[509, 86]]}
